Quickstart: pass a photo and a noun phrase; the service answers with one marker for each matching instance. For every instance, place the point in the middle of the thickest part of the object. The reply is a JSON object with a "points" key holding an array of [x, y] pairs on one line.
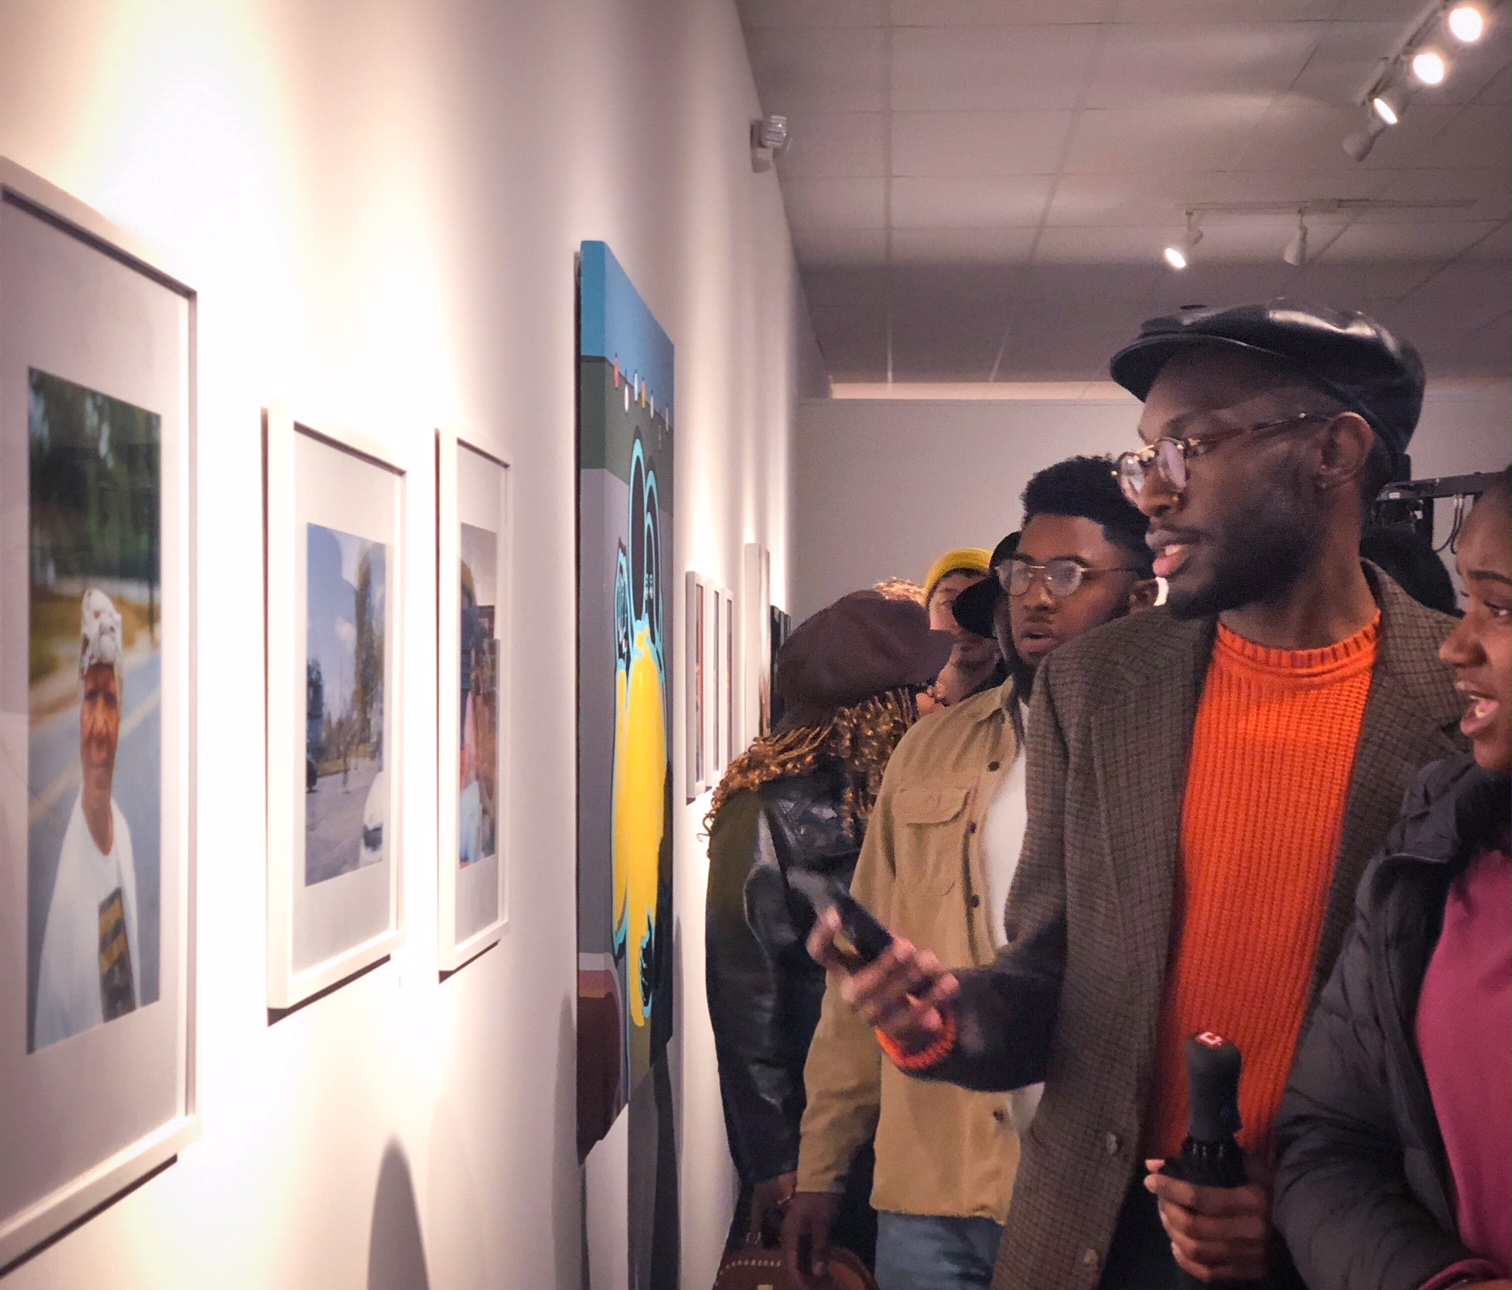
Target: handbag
{"points": [[756, 1267]]}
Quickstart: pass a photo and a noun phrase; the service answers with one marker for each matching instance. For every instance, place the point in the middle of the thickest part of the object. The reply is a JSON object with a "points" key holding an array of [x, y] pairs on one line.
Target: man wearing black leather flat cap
{"points": [[1205, 784]]}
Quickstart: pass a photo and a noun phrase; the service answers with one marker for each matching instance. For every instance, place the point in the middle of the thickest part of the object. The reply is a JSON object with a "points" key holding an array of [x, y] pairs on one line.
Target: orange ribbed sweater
{"points": [[1267, 783]]}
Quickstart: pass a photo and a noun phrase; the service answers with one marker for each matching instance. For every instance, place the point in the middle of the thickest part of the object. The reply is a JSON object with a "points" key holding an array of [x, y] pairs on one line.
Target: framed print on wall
{"points": [[473, 549], [697, 602], [756, 641], [97, 1021], [335, 543], [727, 683], [624, 657]]}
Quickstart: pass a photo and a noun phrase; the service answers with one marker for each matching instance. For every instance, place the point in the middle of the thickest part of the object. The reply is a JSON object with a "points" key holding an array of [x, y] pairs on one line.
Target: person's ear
{"points": [[1344, 448], [1144, 594]]}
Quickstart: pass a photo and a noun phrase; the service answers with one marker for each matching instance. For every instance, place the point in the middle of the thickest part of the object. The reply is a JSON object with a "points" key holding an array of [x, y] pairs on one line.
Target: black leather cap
{"points": [[1346, 354], [862, 645], [976, 607]]}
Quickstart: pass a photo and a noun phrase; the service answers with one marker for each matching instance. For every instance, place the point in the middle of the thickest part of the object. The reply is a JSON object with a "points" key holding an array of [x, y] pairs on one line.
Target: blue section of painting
{"points": [[619, 327]]}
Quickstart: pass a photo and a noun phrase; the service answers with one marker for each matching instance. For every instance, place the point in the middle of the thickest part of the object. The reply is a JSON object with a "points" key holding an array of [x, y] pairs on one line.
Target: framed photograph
{"points": [[756, 641], [727, 686], [625, 644], [97, 1020], [713, 705], [697, 603], [335, 543], [473, 547], [781, 629]]}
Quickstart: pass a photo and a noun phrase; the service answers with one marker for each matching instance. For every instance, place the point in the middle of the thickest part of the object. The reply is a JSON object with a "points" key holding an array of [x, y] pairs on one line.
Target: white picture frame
{"points": [[729, 676], [756, 642], [473, 540], [92, 326], [335, 508], [696, 689]]}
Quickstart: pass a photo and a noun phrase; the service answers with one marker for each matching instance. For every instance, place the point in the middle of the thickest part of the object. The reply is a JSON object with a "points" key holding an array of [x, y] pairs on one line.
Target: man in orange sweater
{"points": [[1205, 786]]}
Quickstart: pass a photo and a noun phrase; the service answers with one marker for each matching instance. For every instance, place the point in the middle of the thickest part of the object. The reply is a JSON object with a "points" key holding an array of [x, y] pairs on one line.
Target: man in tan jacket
{"points": [[936, 865]]}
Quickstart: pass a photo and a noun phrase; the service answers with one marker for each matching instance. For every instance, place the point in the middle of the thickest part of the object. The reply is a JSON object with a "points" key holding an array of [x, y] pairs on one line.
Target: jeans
{"points": [[929, 1252]]}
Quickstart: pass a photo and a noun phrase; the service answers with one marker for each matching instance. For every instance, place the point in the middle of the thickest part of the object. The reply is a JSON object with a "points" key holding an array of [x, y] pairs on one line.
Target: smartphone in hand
{"points": [[866, 936]]}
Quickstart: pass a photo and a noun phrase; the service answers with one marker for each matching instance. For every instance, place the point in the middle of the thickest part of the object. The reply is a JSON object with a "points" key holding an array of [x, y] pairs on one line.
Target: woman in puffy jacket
{"points": [[1393, 1165], [785, 829]]}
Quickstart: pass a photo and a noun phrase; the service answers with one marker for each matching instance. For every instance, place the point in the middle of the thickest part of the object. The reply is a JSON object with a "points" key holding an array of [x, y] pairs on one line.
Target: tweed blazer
{"points": [[1074, 996]]}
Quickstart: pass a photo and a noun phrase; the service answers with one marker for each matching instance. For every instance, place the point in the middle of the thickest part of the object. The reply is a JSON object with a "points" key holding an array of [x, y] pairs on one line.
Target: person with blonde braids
{"points": [[785, 826]]}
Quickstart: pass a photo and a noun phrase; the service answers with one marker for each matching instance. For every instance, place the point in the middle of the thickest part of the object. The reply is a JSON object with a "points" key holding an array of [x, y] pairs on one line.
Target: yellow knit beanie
{"points": [[974, 558]]}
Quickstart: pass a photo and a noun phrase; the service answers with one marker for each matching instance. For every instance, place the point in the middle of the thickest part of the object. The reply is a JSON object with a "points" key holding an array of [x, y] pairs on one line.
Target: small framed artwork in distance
{"points": [[97, 1018], [696, 665], [335, 543], [473, 595]]}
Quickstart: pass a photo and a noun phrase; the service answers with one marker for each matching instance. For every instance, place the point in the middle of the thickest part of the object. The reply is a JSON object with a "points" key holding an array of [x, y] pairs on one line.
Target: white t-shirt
{"points": [[68, 974], [1003, 840]]}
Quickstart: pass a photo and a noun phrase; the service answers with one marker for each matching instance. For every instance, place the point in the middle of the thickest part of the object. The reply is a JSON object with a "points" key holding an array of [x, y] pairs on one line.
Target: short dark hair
{"points": [[1088, 488]]}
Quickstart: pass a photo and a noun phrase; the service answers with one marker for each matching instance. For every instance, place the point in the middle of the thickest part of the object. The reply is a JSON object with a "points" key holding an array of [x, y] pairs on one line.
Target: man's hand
{"points": [[806, 1236], [1217, 1233], [768, 1201], [901, 993]]}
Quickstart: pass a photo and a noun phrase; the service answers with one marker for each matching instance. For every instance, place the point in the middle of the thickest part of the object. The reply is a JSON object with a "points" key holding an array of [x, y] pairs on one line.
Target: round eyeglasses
{"points": [[1062, 577], [1165, 460]]}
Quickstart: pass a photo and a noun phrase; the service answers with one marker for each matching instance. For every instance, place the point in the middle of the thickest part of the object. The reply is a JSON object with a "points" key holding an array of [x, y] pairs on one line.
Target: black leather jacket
{"points": [[1363, 1189], [767, 847]]}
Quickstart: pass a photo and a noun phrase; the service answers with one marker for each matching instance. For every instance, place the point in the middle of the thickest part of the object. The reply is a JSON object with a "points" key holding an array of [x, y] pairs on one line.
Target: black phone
{"points": [[867, 937]]}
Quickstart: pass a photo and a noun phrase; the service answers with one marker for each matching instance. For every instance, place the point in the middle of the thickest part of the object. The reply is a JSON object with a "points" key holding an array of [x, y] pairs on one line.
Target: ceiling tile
{"points": [[990, 69], [818, 70], [1149, 63], [1076, 286], [1225, 11], [978, 143], [834, 203], [969, 203], [1202, 134], [820, 246], [839, 145], [1427, 239], [1151, 197], [760, 14], [997, 13], [1484, 187], [1299, 185], [1480, 135], [962, 245]]}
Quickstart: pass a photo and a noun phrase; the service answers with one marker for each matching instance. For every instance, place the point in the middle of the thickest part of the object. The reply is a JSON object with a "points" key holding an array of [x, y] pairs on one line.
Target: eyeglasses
{"points": [[1169, 456], [1062, 576]]}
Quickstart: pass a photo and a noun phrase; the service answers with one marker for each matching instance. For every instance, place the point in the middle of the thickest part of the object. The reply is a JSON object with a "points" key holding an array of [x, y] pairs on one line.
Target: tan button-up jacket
{"points": [[940, 1150]]}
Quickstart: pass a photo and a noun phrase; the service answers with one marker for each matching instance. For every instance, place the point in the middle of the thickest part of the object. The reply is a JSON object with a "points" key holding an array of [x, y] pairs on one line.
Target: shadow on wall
{"points": [[396, 1249]]}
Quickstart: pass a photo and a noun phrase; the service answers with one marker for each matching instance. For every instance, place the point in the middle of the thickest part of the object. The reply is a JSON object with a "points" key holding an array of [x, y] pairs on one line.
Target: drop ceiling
{"points": [[979, 190]]}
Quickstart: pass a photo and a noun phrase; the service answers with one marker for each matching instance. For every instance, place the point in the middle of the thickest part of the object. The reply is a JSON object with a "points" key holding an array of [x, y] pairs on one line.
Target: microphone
{"points": [[1210, 1156]]}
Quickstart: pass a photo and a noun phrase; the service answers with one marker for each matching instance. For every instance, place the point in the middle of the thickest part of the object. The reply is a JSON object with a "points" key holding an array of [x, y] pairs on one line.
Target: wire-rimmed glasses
{"points": [[1166, 458]]}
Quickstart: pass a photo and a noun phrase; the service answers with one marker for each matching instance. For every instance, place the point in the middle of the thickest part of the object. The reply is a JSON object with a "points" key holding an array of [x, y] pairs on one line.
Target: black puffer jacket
{"points": [[769, 847], [1363, 1189]]}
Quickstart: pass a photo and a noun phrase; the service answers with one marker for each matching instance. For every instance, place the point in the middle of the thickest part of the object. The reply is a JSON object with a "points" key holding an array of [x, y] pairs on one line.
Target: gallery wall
{"points": [[886, 485], [379, 206]]}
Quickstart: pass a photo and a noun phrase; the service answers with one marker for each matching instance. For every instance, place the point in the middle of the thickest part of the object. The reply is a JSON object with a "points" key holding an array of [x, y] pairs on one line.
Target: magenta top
{"points": [[1464, 1033]]}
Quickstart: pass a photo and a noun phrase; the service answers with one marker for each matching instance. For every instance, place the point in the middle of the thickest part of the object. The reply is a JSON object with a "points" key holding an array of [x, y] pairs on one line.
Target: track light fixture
{"points": [[1296, 250], [1466, 23], [1179, 254], [1357, 146], [1416, 60], [1429, 67]]}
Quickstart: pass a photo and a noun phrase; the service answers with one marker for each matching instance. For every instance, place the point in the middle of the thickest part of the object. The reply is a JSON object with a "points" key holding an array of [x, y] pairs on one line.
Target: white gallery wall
{"points": [[886, 485], [378, 203]]}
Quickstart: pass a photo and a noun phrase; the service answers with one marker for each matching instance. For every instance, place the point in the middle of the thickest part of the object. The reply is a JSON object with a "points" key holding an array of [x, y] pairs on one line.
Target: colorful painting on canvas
{"points": [[625, 507]]}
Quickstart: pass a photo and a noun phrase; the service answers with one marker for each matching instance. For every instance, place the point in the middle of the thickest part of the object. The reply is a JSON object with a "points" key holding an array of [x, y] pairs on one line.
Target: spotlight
{"points": [[1358, 145], [1179, 255], [1429, 67], [1466, 23], [1296, 250], [1389, 105]]}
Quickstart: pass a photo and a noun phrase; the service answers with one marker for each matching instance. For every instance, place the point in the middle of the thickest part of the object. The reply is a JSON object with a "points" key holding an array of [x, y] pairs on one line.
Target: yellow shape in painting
{"points": [[640, 784]]}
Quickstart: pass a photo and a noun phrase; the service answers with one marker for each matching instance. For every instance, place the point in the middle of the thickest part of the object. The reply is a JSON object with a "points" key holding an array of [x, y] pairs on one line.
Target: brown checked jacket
{"points": [[1074, 996]]}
